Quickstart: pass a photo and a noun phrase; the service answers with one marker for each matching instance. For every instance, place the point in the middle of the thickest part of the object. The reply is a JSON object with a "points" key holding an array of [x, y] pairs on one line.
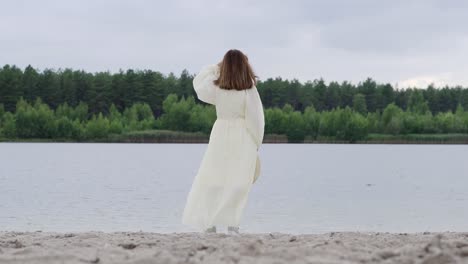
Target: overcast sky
{"points": [[412, 43]]}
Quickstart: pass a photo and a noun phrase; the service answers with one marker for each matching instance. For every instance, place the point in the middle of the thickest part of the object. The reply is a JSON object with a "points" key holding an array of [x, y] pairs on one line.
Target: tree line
{"points": [[38, 120], [77, 105], [123, 89]]}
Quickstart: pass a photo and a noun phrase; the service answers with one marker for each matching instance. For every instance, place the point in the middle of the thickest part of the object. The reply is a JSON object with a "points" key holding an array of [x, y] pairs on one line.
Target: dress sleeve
{"points": [[254, 116], [203, 83]]}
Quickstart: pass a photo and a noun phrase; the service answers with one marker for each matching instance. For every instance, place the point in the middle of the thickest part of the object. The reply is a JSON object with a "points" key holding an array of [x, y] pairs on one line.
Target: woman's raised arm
{"points": [[203, 83]]}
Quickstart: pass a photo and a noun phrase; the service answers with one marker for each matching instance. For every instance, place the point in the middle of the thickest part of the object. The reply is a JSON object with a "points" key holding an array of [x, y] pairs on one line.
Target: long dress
{"points": [[222, 184]]}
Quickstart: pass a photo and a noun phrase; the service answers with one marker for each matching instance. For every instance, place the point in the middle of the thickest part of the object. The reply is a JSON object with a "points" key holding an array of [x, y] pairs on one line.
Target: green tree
{"points": [[312, 122], [97, 94], [296, 128], [369, 89], [29, 83], [359, 103], [10, 86], [81, 112], [184, 85], [97, 127], [116, 126], [416, 123], [357, 128], [275, 121], [2, 111], [153, 88], [114, 113], [35, 121], [392, 119], [49, 88], [68, 87], [8, 128], [373, 120], [461, 120], [69, 129], [202, 118], [319, 94], [176, 114], [417, 104]]}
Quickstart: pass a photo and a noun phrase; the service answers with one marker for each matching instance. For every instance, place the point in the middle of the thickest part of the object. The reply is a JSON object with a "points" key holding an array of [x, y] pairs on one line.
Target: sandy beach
{"points": [[142, 247]]}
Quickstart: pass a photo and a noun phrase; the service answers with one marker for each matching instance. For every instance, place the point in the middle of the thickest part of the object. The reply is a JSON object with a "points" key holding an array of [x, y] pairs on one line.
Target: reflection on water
{"points": [[304, 188]]}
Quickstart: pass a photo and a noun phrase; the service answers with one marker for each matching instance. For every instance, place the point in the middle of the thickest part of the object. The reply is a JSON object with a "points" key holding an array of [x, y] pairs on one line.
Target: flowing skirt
{"points": [[221, 187]]}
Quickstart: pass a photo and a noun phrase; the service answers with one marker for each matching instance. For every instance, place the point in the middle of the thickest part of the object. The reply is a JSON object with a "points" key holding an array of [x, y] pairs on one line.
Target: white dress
{"points": [[220, 189]]}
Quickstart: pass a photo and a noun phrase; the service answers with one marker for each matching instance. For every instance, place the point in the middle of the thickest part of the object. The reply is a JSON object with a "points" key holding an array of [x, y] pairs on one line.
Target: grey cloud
{"points": [[391, 41]]}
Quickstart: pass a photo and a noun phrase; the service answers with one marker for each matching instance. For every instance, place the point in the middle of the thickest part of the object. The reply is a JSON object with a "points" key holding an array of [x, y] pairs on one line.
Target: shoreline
{"points": [[166, 136], [182, 141], [146, 247]]}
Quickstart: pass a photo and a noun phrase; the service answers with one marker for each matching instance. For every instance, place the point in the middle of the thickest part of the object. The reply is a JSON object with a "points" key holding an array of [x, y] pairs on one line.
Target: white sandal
{"points": [[211, 230], [233, 230]]}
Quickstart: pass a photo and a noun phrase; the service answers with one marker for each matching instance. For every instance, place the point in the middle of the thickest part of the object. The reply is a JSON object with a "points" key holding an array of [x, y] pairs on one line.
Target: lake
{"points": [[303, 188]]}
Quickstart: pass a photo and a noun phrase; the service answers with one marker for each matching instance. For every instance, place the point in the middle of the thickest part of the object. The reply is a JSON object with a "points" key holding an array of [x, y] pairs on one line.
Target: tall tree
{"points": [[416, 102], [29, 83], [359, 103], [68, 89], [369, 89]]}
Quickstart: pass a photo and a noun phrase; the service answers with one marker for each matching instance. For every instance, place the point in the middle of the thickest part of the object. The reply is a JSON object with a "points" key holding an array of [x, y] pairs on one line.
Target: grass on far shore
{"points": [[167, 136]]}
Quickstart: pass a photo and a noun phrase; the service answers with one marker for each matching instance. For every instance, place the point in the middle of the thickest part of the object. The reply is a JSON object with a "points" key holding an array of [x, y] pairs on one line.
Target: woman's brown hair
{"points": [[235, 72]]}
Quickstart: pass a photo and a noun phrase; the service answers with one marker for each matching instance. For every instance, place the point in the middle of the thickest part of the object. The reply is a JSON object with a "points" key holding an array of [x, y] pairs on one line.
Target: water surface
{"points": [[304, 188]]}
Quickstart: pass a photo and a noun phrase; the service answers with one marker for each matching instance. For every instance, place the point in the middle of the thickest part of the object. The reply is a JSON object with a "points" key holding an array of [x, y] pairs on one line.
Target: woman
{"points": [[230, 165]]}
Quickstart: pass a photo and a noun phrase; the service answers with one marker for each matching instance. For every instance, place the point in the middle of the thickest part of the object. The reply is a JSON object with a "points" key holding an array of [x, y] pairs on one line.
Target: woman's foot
{"points": [[211, 230], [233, 230]]}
